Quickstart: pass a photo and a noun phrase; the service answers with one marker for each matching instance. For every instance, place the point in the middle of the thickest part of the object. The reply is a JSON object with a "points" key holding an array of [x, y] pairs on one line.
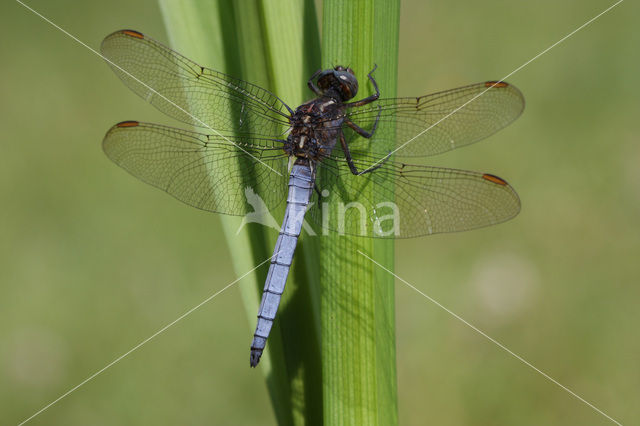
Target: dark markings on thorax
{"points": [[315, 128]]}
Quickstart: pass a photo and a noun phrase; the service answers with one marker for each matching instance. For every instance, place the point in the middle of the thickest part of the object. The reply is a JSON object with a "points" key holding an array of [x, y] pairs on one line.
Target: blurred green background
{"points": [[92, 261]]}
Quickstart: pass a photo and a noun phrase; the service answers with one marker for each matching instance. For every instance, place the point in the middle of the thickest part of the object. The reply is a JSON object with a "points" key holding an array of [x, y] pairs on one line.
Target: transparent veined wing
{"points": [[408, 200], [189, 92], [205, 171], [436, 123]]}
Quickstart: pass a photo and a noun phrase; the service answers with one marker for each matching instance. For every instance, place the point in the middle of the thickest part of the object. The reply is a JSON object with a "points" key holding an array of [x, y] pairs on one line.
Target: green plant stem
{"points": [[357, 309], [274, 45]]}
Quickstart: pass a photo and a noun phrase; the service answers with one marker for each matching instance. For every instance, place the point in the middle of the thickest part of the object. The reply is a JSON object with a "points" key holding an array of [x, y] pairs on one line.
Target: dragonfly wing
{"points": [[402, 201], [439, 122], [205, 171], [189, 92]]}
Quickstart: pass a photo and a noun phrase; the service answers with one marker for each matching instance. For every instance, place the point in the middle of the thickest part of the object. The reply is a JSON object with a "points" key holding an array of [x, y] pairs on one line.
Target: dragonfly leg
{"points": [[352, 167], [371, 98], [362, 132], [312, 85]]}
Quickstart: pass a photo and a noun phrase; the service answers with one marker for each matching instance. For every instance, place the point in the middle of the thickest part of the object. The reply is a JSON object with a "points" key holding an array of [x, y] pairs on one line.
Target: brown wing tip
{"points": [[129, 123], [132, 33], [496, 84], [494, 179]]}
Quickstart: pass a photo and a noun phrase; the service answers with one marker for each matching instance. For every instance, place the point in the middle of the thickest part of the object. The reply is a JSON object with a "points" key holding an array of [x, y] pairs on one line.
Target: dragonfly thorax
{"points": [[315, 128]]}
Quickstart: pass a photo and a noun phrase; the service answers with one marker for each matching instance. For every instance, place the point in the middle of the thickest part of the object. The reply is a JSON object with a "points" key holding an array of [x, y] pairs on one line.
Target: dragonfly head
{"points": [[339, 82]]}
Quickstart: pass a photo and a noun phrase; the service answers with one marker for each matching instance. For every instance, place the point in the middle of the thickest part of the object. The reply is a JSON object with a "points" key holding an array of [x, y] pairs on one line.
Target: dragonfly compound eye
{"points": [[348, 83], [340, 81]]}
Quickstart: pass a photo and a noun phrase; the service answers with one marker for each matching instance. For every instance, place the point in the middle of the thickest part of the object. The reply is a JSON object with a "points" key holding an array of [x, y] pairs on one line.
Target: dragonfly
{"points": [[330, 151]]}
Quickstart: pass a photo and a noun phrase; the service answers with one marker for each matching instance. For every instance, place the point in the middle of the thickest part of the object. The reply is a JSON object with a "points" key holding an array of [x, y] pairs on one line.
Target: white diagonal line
{"points": [[148, 87], [500, 345], [502, 79], [143, 342]]}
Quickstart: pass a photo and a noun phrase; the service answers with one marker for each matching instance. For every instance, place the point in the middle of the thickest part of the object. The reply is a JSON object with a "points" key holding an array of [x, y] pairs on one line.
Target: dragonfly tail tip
{"points": [[254, 359]]}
